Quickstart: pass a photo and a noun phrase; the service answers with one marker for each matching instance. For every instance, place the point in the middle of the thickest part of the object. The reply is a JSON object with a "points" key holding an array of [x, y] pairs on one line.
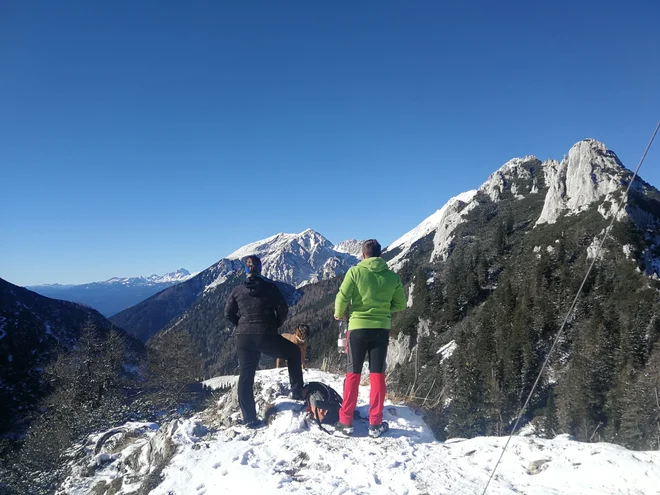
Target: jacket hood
{"points": [[257, 286], [374, 264]]}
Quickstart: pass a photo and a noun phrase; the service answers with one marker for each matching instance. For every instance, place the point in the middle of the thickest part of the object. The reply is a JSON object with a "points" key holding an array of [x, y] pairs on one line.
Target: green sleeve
{"points": [[345, 294], [398, 299]]}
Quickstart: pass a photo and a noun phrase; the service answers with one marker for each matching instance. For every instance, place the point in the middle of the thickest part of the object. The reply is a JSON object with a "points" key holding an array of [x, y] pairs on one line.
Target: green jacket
{"points": [[374, 291]]}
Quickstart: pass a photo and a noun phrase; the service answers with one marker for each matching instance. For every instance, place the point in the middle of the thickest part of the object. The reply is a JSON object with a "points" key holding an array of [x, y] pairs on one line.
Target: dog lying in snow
{"points": [[298, 337]]}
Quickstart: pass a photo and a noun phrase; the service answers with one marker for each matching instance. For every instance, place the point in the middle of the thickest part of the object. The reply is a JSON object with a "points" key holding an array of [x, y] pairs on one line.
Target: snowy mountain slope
{"points": [[299, 259], [208, 454], [441, 224], [116, 294], [350, 246]]}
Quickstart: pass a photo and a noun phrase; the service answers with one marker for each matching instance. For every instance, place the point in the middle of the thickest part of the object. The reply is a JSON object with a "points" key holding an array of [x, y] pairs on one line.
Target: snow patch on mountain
{"points": [[298, 259], [220, 272], [209, 453], [442, 222], [590, 173], [350, 246], [177, 276], [447, 350], [180, 275]]}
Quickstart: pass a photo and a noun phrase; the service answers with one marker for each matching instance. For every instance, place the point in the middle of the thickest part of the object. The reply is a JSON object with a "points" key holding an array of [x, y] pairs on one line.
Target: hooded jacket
{"points": [[256, 307], [374, 292]]}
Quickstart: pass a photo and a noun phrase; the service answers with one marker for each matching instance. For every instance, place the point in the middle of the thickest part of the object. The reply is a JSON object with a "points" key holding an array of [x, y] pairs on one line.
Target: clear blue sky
{"points": [[139, 137]]}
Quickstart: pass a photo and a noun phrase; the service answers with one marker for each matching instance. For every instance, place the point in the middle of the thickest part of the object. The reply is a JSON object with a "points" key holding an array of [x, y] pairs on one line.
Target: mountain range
{"points": [[294, 260], [112, 296], [489, 278]]}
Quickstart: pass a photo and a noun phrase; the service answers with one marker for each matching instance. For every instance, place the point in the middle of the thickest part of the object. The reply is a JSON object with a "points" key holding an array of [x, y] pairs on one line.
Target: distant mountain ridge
{"points": [[116, 294]]}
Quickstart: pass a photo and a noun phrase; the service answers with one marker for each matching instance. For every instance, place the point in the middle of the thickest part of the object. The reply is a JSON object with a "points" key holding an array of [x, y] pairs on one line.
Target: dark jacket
{"points": [[256, 307]]}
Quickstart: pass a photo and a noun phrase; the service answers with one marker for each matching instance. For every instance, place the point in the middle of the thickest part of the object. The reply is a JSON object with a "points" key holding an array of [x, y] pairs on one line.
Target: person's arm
{"points": [[398, 299], [281, 307], [231, 309], [345, 295]]}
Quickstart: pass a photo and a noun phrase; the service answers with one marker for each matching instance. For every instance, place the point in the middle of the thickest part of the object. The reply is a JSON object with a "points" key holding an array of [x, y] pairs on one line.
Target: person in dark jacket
{"points": [[258, 309]]}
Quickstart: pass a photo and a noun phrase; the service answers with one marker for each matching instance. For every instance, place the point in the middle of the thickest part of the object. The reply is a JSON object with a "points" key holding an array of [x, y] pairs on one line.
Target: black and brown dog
{"points": [[298, 337]]}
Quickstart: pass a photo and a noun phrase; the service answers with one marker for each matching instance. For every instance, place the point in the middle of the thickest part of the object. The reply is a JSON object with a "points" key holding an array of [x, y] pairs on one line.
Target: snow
{"points": [[178, 276], [446, 350], [220, 280], [589, 173], [220, 272], [351, 246], [293, 455], [442, 222], [3, 324], [592, 249], [221, 382], [534, 189], [409, 300], [628, 250]]}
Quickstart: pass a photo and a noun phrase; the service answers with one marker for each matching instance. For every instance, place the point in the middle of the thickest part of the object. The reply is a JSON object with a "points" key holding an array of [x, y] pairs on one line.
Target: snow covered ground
{"points": [[292, 455]]}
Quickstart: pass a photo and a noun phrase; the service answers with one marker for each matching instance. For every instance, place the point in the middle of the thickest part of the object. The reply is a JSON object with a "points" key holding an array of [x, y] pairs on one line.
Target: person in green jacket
{"points": [[374, 293]]}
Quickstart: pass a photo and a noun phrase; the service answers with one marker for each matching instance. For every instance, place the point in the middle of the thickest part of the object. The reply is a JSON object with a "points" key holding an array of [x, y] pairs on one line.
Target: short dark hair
{"points": [[371, 249]]}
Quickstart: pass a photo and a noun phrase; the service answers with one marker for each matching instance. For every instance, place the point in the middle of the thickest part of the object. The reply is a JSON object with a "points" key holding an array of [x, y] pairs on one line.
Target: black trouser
{"points": [[372, 342], [249, 348]]}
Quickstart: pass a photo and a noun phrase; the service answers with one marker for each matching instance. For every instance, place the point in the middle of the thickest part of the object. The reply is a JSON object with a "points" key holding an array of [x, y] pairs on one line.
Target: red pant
{"points": [[372, 342]]}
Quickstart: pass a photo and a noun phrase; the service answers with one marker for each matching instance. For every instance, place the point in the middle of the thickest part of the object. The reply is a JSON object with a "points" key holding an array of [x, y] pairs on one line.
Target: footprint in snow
{"points": [[248, 455], [217, 465]]}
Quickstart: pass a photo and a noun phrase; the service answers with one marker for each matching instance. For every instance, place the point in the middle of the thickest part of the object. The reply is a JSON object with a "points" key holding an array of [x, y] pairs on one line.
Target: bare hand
{"points": [[340, 318]]}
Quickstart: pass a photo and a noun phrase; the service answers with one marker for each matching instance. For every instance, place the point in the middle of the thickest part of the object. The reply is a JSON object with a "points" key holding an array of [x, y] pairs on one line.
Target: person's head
{"points": [[371, 249], [252, 265]]}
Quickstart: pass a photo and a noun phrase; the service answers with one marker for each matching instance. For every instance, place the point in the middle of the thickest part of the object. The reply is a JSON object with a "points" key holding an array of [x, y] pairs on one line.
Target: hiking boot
{"points": [[254, 424], [296, 394], [343, 430], [377, 430]]}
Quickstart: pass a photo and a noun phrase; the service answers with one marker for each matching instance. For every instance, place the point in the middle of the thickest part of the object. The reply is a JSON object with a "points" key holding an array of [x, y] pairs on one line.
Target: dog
{"points": [[298, 337]]}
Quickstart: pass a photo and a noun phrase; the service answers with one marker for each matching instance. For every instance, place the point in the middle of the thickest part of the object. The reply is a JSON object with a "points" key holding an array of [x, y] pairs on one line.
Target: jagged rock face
{"points": [[590, 173], [513, 176]]}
